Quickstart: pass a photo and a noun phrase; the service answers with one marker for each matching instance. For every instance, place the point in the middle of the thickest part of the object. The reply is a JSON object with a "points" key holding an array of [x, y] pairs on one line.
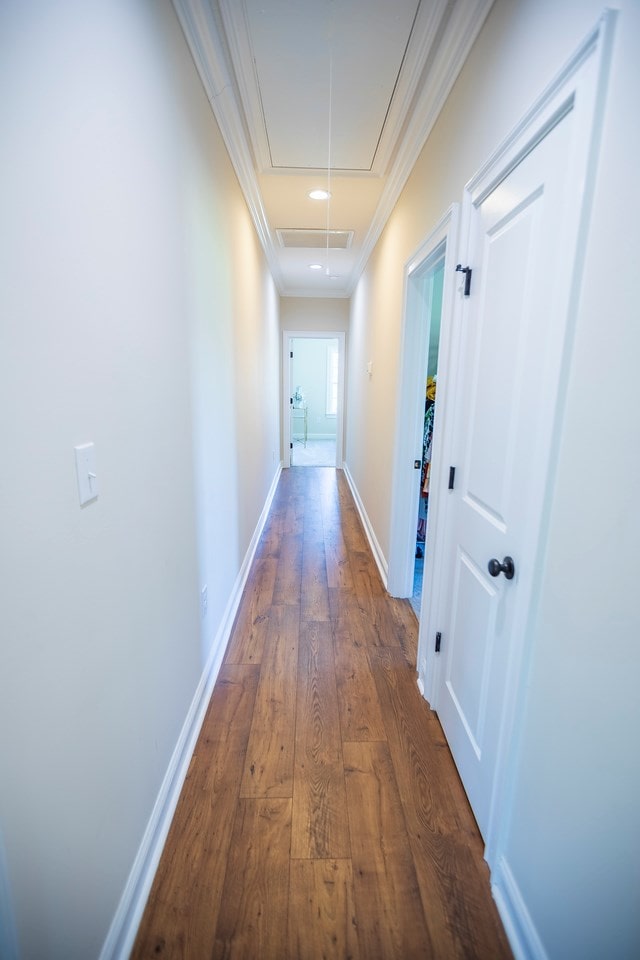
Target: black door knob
{"points": [[507, 567]]}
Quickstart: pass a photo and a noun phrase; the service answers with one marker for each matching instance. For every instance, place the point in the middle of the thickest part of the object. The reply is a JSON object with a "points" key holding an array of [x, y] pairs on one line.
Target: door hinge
{"points": [[417, 464], [291, 354], [291, 400], [290, 446], [438, 640], [467, 278], [452, 477]]}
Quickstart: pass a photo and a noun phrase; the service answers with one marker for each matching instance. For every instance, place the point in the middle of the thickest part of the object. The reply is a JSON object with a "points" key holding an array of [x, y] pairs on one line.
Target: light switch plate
{"points": [[86, 470]]}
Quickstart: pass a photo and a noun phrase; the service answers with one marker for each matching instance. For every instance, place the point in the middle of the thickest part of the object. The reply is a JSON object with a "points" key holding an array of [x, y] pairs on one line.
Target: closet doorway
{"points": [[313, 375], [425, 397], [433, 285]]}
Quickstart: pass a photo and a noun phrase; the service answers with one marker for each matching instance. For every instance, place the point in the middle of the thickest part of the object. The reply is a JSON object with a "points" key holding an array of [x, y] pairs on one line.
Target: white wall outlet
{"points": [[86, 471], [204, 602]]}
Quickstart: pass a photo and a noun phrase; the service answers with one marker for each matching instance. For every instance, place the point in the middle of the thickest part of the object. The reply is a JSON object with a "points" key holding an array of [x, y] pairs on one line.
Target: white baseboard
{"points": [[376, 550], [519, 927], [126, 920]]}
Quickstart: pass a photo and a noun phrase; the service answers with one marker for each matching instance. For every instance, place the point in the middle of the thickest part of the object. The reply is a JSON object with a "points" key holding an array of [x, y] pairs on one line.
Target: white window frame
{"points": [[333, 378]]}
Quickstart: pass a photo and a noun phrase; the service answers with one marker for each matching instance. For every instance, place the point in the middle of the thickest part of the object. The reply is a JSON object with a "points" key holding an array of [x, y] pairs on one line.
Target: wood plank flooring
{"points": [[322, 815]]}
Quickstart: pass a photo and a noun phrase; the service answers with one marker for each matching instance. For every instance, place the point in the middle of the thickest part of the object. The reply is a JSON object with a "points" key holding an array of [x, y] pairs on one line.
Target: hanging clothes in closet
{"points": [[427, 440], [429, 412]]}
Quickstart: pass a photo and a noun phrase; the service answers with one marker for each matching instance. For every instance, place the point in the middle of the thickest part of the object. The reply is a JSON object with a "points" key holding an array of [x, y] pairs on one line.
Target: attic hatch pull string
{"points": [[329, 151]]}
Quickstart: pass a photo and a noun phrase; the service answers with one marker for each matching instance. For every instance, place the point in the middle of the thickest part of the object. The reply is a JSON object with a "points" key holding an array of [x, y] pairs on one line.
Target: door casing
{"points": [[287, 337], [441, 242]]}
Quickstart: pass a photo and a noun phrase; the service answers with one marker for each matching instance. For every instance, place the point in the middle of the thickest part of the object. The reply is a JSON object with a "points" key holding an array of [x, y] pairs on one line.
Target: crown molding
{"points": [[236, 27], [424, 34], [463, 27], [203, 36], [210, 25]]}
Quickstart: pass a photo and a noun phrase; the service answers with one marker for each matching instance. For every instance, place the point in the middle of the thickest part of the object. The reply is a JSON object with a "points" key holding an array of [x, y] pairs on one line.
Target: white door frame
{"points": [[287, 337], [441, 241]]}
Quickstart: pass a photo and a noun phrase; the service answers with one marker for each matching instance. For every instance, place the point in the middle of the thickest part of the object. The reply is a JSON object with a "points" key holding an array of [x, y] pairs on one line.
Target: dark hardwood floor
{"points": [[322, 815]]}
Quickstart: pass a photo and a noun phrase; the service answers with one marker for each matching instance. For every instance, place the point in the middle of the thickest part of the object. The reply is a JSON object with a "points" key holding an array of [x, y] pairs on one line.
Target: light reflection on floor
{"points": [[317, 453]]}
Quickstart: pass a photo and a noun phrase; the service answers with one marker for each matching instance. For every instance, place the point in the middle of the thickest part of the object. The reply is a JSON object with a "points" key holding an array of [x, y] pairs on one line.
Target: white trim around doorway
{"points": [[441, 243]]}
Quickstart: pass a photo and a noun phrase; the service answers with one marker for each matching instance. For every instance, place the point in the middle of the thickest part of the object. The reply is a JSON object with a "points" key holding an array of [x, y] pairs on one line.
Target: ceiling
{"points": [[332, 94]]}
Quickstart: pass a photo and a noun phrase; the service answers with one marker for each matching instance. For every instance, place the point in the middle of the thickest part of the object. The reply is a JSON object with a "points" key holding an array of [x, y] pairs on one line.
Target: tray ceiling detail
{"points": [[350, 60], [315, 92]]}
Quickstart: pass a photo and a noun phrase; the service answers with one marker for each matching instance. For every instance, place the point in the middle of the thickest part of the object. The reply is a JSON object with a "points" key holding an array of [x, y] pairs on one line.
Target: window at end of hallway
{"points": [[332, 380]]}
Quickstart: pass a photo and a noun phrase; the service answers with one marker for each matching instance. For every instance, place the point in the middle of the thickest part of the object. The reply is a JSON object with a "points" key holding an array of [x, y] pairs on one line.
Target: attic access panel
{"points": [[291, 43]]}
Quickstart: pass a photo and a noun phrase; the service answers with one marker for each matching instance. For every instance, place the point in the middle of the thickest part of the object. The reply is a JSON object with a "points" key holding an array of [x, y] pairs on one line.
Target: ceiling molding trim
{"points": [[461, 32], [210, 57], [199, 27], [236, 26], [203, 27], [425, 29]]}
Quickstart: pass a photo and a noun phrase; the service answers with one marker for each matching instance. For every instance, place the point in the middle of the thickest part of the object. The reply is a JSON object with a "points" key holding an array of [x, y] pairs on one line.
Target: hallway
{"points": [[322, 815]]}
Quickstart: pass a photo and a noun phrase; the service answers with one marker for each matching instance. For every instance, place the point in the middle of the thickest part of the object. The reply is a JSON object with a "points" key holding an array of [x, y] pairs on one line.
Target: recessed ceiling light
{"points": [[319, 194], [315, 266]]}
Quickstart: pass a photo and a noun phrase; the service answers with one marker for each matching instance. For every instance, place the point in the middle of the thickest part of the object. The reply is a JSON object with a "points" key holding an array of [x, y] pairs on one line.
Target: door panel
{"points": [[471, 662], [511, 350], [496, 375]]}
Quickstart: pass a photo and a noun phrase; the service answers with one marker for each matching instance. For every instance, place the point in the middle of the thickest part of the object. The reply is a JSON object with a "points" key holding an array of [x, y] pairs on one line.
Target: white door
{"points": [[522, 231]]}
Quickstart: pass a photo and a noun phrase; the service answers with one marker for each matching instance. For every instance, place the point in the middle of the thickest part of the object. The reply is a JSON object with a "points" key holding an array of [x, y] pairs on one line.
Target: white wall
{"points": [[314, 313], [134, 302], [572, 837]]}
